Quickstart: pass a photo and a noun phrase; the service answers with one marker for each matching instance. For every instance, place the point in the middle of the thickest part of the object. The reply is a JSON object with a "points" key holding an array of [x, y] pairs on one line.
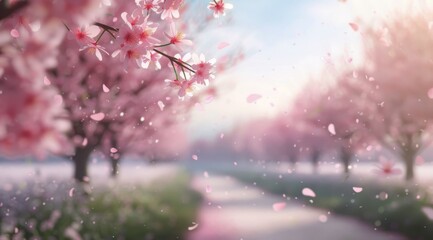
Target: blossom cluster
{"points": [[144, 34]]}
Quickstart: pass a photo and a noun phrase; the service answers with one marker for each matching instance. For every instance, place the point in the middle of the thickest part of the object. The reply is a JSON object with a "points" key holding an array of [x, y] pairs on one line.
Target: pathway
{"points": [[233, 211]]}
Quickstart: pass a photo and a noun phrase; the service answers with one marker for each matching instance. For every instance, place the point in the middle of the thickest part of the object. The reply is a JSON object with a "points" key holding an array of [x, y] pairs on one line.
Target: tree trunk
{"points": [[409, 160], [345, 156], [315, 155], [81, 159], [114, 166]]}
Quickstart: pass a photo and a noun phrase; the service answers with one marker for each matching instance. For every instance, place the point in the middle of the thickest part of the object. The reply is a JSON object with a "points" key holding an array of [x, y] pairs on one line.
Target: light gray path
{"points": [[232, 211]]}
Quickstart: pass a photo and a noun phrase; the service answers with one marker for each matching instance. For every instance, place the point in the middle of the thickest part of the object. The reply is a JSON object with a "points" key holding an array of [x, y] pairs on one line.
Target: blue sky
{"points": [[286, 43]]}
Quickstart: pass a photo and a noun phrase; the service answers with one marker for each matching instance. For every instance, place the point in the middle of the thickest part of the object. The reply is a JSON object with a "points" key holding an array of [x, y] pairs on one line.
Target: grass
{"points": [[162, 210], [384, 206]]}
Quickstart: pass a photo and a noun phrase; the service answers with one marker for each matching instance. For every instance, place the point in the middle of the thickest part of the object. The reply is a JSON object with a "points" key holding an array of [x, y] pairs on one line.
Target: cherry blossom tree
{"points": [[283, 142], [314, 141], [398, 83], [73, 72], [337, 111]]}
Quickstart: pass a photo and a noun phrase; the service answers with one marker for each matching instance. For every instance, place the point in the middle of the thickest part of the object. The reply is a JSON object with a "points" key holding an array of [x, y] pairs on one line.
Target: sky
{"points": [[287, 42]]}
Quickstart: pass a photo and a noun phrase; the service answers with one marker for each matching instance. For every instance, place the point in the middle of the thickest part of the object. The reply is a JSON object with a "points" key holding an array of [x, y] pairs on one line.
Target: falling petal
{"points": [[428, 212], [331, 129], [71, 192], [354, 26], [279, 206], [208, 189], [222, 135], [98, 54], [209, 99], [308, 192], [97, 116], [323, 218], [194, 226], [195, 157], [105, 88], [357, 189], [113, 150], [430, 93], [84, 142], [47, 81], [93, 31], [15, 33], [223, 45], [161, 105], [253, 97]]}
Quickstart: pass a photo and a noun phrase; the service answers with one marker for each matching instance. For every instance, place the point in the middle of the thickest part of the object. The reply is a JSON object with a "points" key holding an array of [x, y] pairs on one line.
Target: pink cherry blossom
{"points": [[219, 7], [152, 60], [151, 6], [171, 9], [96, 49], [103, 102], [202, 70], [85, 35], [185, 87], [177, 38]]}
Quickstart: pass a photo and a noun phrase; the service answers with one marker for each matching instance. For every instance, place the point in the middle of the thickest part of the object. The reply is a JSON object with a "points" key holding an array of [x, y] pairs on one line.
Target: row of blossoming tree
{"points": [[385, 101], [96, 75]]}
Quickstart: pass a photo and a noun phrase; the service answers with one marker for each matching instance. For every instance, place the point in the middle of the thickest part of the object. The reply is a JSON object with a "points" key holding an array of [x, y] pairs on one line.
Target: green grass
{"points": [[401, 211], [162, 210]]}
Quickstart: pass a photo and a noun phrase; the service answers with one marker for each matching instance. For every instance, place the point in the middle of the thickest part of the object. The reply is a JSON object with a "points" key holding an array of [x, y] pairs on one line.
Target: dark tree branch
{"points": [[6, 9]]}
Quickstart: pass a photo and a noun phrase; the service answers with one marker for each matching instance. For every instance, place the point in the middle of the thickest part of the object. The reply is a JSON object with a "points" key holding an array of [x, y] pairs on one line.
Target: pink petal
{"points": [[113, 150], [430, 93], [194, 226], [208, 189], [71, 192], [47, 81], [354, 26], [331, 129], [105, 88], [97, 116], [428, 212], [98, 54], [223, 45], [279, 206], [357, 189], [84, 142], [161, 105], [195, 157], [15, 33], [93, 31], [253, 97], [308, 192]]}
